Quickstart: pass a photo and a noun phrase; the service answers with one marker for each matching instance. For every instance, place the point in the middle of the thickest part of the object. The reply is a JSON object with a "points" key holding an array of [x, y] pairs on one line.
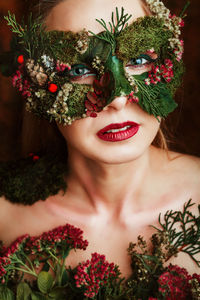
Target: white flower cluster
{"points": [[173, 23], [98, 65], [132, 82], [59, 109], [48, 61], [31, 104]]}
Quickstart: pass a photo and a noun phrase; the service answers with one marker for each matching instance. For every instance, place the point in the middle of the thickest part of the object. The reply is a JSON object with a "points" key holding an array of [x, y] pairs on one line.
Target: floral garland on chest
{"points": [[44, 259]]}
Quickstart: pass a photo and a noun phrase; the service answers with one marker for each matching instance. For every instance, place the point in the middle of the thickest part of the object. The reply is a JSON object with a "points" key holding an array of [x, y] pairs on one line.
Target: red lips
{"points": [[116, 132]]}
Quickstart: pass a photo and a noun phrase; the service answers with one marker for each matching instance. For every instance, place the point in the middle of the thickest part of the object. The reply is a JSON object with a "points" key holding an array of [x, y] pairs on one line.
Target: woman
{"points": [[118, 182]]}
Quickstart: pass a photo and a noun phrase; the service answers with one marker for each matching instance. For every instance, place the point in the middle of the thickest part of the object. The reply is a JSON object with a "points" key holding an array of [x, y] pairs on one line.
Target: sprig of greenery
{"points": [[115, 29], [182, 14], [32, 36], [187, 239], [15, 27]]}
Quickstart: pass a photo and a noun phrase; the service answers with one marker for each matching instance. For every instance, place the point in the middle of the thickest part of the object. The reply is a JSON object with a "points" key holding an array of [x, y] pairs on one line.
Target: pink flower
{"points": [[92, 275], [60, 67], [181, 23], [20, 83]]}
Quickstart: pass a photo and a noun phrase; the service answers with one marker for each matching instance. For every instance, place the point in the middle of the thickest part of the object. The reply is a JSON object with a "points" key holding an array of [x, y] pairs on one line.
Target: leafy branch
{"points": [[183, 230], [115, 29]]}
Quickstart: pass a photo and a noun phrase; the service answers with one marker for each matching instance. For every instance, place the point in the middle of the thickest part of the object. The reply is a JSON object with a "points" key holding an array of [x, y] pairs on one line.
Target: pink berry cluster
{"points": [[95, 273], [174, 283], [20, 83], [61, 67], [165, 71], [132, 98]]}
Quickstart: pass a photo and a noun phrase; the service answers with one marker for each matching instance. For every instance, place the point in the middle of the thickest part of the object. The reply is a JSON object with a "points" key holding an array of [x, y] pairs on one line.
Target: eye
{"points": [[141, 61], [80, 71]]}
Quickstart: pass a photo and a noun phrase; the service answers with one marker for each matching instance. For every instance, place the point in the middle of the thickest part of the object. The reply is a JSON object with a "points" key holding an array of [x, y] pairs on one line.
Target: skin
{"points": [[115, 189]]}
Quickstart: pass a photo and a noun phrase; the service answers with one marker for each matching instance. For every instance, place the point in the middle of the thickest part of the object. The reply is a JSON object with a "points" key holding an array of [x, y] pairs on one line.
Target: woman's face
{"points": [[122, 131]]}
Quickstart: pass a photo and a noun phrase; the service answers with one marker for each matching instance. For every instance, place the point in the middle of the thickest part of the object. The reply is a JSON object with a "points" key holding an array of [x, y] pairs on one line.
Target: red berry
{"points": [[20, 59], [53, 87], [35, 158]]}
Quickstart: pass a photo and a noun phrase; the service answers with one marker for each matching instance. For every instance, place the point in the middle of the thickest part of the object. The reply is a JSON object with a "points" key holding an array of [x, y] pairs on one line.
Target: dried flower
{"points": [[97, 100], [172, 22], [83, 42]]}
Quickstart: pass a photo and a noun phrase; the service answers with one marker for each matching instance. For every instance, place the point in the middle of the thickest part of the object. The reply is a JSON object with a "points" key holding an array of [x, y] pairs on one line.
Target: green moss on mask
{"points": [[63, 46], [179, 69], [76, 101], [144, 34]]}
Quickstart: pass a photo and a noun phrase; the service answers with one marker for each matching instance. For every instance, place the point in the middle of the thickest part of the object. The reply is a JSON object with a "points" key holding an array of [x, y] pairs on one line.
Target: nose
{"points": [[118, 103]]}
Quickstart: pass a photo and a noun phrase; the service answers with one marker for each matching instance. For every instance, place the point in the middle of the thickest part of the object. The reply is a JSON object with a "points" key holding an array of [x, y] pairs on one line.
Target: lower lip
{"points": [[120, 135]]}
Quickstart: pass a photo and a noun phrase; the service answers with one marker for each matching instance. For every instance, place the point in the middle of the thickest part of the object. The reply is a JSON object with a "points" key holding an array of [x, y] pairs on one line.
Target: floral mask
{"points": [[141, 61]]}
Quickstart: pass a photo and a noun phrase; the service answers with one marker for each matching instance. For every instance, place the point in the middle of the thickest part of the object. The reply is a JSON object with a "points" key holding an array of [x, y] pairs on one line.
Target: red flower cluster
{"points": [[97, 100], [67, 237], [175, 283], [6, 258], [165, 71], [93, 274]]}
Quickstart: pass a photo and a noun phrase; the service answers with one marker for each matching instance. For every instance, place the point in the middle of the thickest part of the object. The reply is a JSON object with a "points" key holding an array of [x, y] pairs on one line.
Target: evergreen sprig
{"points": [[115, 29], [187, 238], [32, 36], [15, 27]]}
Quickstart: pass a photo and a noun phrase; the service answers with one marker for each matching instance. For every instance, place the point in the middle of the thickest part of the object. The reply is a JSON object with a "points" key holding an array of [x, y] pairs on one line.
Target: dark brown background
{"points": [[184, 123]]}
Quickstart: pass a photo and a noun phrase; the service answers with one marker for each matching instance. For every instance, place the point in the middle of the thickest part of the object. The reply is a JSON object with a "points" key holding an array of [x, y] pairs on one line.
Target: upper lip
{"points": [[117, 126]]}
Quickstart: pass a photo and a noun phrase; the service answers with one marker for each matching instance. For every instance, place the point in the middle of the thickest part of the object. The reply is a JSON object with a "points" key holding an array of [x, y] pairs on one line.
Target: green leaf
{"points": [[45, 282], [23, 291], [6, 294], [58, 293], [37, 296]]}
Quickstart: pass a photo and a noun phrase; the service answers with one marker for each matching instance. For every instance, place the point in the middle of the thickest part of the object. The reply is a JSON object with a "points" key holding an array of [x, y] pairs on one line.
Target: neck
{"points": [[110, 186]]}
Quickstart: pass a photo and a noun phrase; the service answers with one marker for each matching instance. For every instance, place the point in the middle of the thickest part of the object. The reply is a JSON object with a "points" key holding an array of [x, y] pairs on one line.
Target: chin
{"points": [[122, 155]]}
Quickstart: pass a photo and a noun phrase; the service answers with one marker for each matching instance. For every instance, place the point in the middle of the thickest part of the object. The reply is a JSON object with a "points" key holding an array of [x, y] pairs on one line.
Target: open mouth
{"points": [[116, 132]]}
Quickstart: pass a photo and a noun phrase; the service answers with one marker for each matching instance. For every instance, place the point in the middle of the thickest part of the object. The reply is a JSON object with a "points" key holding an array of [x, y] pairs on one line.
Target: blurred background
{"points": [[183, 125]]}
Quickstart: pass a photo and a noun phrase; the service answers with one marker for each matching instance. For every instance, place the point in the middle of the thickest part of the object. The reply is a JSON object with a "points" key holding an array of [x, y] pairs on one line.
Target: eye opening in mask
{"points": [[81, 73], [141, 64]]}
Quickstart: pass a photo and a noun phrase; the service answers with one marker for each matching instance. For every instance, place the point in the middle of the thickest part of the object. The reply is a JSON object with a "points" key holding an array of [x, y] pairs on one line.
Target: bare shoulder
{"points": [[185, 173], [179, 174], [188, 164]]}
